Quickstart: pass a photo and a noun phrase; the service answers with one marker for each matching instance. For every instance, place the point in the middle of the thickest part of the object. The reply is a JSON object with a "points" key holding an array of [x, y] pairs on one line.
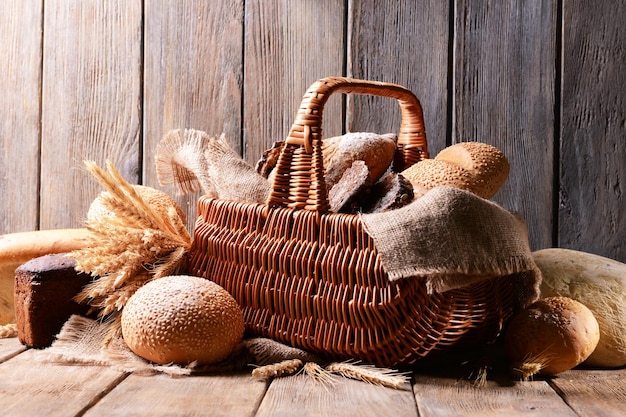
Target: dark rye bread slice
{"points": [[352, 194], [391, 192], [269, 159], [44, 291], [344, 196]]}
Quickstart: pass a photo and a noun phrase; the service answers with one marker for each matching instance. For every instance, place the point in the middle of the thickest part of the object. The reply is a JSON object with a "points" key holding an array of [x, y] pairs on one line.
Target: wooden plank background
{"points": [[541, 80]]}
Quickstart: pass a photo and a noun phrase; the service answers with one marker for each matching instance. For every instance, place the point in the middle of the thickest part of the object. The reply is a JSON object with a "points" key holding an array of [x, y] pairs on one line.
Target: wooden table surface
{"points": [[31, 387]]}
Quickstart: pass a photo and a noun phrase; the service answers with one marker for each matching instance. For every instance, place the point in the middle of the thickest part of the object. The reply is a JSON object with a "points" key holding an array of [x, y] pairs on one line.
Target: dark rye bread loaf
{"points": [[44, 291]]}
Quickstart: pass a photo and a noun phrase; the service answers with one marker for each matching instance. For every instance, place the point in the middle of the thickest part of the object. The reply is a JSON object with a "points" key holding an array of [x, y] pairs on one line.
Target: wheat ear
{"points": [[133, 244], [370, 374], [286, 367]]}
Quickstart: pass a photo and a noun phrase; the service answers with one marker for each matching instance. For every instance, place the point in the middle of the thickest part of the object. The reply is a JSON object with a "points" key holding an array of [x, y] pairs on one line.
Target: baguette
{"points": [[19, 248]]}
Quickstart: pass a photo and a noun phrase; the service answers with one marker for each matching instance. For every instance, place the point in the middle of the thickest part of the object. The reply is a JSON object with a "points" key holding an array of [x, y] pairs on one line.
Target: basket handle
{"points": [[299, 180]]}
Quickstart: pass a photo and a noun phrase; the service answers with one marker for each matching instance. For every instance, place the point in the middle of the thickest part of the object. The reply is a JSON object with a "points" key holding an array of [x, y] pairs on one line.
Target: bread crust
{"points": [[473, 166], [19, 248]]}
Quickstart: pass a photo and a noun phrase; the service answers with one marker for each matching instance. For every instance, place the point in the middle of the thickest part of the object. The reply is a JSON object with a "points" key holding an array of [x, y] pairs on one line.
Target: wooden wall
{"points": [[542, 80]]}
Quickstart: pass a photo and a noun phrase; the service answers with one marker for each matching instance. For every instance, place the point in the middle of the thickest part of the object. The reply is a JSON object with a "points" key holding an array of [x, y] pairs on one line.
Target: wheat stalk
{"points": [[133, 243], [8, 330], [370, 374], [286, 367], [318, 373]]}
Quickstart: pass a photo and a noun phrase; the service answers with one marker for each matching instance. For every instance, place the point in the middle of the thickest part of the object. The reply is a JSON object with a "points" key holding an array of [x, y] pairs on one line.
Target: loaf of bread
{"points": [[18, 248], [377, 151], [352, 194], [44, 291], [182, 319], [391, 192], [473, 166], [339, 152], [344, 196]]}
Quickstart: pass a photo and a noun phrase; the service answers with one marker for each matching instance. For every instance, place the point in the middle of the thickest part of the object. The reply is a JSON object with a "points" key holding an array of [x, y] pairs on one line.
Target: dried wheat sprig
{"points": [[113, 331], [132, 210], [123, 192], [481, 376], [116, 265], [179, 225], [370, 374], [171, 264], [160, 222], [286, 367], [116, 300], [133, 243], [112, 229], [532, 364], [8, 330], [318, 373], [124, 216]]}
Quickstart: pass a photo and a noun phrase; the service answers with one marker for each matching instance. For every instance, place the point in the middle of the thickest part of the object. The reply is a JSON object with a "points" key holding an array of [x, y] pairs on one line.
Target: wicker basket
{"points": [[313, 279]]}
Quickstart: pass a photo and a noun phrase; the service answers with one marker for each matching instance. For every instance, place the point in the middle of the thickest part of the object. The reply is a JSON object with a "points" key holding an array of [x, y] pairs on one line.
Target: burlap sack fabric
{"points": [[81, 341], [192, 160], [451, 238]]}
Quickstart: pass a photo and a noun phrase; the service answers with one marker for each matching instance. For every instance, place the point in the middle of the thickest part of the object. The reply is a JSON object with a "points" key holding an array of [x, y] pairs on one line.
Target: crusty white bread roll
{"points": [[473, 166], [550, 336], [339, 152], [377, 151], [182, 319], [19, 248]]}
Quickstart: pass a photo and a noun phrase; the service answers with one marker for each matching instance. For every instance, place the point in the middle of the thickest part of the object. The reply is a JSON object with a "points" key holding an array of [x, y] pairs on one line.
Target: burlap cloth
{"points": [[192, 160], [452, 238], [81, 341]]}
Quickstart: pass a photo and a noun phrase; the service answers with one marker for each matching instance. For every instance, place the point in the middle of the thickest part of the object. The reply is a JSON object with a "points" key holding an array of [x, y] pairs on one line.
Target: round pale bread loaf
{"points": [[473, 166], [377, 151], [181, 319]]}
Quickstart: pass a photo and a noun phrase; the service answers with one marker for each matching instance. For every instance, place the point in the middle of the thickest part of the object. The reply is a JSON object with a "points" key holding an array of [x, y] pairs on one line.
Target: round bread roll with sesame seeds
{"points": [[181, 319], [473, 166]]}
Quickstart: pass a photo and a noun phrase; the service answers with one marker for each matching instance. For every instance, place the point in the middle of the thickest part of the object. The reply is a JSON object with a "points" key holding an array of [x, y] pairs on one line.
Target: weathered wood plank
{"points": [[593, 392], [20, 83], [91, 105], [406, 43], [593, 116], [288, 45], [193, 77], [10, 347], [161, 395], [504, 95], [444, 396], [301, 395], [29, 387]]}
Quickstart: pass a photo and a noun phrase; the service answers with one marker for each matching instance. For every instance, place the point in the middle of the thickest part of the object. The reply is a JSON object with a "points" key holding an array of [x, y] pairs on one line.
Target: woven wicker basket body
{"points": [[314, 280]]}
